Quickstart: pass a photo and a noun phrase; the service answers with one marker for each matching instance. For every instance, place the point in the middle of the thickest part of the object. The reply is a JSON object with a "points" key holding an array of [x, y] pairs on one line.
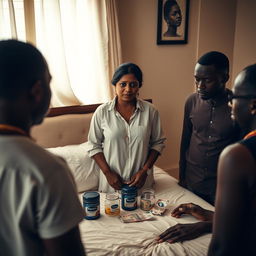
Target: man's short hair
{"points": [[21, 65], [217, 59], [250, 77]]}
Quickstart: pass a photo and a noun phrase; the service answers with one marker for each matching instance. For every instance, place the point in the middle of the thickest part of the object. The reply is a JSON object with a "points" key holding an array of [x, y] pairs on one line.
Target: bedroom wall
{"points": [[168, 69], [245, 36]]}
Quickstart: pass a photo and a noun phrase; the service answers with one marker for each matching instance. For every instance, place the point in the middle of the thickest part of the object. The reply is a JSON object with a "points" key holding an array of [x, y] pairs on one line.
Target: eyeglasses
{"points": [[234, 96]]}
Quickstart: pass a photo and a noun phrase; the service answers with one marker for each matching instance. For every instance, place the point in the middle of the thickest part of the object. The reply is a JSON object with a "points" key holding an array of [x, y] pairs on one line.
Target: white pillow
{"points": [[83, 168]]}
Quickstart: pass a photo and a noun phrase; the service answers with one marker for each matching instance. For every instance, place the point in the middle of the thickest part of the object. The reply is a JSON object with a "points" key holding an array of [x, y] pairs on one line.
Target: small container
{"points": [[112, 206], [147, 199], [91, 203], [129, 198]]}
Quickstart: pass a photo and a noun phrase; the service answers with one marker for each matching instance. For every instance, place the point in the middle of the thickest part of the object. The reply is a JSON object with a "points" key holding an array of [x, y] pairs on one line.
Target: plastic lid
{"points": [[127, 189], [112, 196], [91, 196]]}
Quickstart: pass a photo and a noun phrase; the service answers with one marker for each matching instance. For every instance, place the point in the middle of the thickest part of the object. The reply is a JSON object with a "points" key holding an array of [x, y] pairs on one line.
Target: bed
{"points": [[64, 132]]}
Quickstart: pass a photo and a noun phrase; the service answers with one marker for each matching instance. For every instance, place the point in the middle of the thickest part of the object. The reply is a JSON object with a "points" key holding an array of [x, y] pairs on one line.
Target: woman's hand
{"points": [[138, 179], [114, 180]]}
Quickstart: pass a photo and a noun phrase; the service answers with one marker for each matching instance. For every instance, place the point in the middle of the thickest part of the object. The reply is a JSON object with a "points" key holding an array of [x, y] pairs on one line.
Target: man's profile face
{"points": [[42, 107], [241, 108], [209, 82], [174, 16]]}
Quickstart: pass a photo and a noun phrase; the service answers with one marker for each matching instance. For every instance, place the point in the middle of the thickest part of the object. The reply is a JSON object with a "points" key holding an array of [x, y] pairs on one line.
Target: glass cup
{"points": [[147, 199], [112, 205]]}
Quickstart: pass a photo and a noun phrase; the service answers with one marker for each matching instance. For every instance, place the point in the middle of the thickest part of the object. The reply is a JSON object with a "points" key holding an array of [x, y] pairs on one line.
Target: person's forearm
{"points": [[152, 157], [101, 162], [209, 215], [206, 226]]}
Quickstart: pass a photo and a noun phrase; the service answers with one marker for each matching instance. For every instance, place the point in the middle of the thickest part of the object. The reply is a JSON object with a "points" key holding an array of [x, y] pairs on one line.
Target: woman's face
{"points": [[175, 16], [127, 88]]}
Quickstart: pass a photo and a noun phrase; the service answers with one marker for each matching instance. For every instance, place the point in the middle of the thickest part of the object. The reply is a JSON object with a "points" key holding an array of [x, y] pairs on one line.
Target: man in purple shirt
{"points": [[207, 127], [207, 130]]}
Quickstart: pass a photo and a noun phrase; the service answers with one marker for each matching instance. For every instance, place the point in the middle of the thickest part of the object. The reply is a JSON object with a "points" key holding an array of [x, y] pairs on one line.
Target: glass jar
{"points": [[129, 198], [91, 203], [147, 199], [112, 206]]}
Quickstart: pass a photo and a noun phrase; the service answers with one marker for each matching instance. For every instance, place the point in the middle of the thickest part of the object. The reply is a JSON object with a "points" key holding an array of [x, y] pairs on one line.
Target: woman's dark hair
{"points": [[167, 8], [127, 68]]}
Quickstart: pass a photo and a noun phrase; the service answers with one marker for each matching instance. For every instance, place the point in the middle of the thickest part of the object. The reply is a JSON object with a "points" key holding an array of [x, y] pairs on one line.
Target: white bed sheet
{"points": [[109, 236]]}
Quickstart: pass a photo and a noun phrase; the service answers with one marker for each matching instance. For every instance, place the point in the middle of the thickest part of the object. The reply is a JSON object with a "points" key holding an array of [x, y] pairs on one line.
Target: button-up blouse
{"points": [[125, 145]]}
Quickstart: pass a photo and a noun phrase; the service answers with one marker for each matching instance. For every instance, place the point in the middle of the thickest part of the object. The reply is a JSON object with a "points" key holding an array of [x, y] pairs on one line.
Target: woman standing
{"points": [[125, 137]]}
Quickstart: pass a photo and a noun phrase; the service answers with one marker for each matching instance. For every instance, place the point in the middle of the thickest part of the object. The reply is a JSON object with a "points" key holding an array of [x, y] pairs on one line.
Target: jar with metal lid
{"points": [[129, 198], [147, 199], [112, 206], [91, 203]]}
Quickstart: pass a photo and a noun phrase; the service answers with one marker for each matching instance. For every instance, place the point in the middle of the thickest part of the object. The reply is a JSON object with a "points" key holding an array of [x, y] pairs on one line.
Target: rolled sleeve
{"points": [[95, 135]]}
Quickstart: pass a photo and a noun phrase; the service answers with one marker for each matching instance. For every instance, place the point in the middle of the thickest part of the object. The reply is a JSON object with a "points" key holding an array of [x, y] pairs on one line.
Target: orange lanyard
{"points": [[250, 134], [12, 129]]}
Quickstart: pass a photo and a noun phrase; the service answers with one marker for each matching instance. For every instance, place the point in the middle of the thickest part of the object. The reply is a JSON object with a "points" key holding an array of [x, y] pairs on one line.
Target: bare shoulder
{"points": [[237, 160]]}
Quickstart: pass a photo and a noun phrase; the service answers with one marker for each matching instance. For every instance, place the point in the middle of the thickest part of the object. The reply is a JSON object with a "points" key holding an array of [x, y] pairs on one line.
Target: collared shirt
{"points": [[207, 130], [125, 145]]}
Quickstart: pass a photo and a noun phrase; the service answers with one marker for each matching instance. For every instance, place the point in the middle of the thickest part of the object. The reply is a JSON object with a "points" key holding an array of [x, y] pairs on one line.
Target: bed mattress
{"points": [[109, 236]]}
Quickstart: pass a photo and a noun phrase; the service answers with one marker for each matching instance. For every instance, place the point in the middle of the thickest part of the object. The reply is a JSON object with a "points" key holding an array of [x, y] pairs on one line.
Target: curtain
{"points": [[79, 39], [114, 44], [8, 27], [76, 37]]}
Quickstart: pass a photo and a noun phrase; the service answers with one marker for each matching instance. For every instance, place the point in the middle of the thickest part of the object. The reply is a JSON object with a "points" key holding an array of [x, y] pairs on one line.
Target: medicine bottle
{"points": [[147, 199], [91, 203], [112, 206], [129, 198]]}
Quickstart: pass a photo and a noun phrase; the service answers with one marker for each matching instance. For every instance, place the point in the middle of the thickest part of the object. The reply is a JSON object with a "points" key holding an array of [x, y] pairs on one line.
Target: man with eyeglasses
{"points": [[234, 222], [207, 130]]}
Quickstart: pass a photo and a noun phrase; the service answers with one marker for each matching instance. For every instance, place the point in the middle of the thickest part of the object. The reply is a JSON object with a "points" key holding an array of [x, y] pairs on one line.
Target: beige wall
{"points": [[168, 69], [245, 36], [217, 27]]}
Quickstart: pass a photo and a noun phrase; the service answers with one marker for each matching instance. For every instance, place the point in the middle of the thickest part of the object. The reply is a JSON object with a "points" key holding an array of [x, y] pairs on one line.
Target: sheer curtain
{"points": [[9, 28], [80, 40]]}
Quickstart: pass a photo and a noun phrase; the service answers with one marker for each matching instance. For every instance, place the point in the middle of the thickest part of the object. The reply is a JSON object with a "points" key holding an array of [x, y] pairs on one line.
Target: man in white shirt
{"points": [[40, 210]]}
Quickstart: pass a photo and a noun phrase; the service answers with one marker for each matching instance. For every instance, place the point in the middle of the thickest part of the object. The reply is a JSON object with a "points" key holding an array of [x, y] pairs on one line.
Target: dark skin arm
{"points": [[194, 210], [65, 245], [235, 172], [184, 145], [112, 177], [139, 178], [183, 232]]}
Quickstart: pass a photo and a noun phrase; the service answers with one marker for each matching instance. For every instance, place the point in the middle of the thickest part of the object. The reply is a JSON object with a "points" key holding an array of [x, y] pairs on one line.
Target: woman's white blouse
{"points": [[125, 145]]}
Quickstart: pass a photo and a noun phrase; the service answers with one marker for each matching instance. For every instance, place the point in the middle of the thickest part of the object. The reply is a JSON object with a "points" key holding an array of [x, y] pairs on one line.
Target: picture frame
{"points": [[172, 22]]}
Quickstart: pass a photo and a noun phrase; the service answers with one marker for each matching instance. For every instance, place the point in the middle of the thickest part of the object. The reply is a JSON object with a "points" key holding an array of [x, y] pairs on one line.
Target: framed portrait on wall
{"points": [[172, 24]]}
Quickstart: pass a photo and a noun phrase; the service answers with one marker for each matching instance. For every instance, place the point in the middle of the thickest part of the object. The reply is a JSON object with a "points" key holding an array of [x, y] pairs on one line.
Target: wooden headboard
{"points": [[76, 109], [65, 126]]}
